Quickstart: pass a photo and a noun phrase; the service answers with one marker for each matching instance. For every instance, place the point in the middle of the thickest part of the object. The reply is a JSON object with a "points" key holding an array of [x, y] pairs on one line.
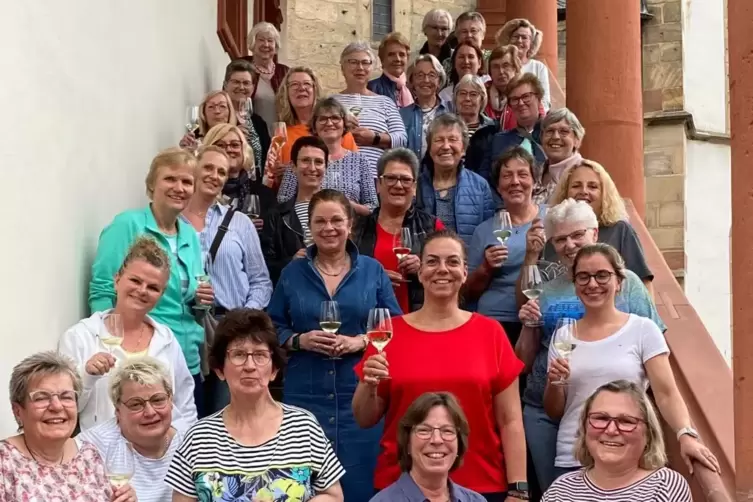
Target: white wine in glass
{"points": [[403, 244], [203, 278], [329, 319], [564, 340], [379, 329], [192, 119], [532, 284], [503, 229], [120, 463], [111, 331]]}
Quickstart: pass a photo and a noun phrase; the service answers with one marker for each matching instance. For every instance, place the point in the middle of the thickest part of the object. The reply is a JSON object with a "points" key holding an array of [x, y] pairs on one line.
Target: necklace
{"points": [[34, 457], [320, 269], [265, 71]]}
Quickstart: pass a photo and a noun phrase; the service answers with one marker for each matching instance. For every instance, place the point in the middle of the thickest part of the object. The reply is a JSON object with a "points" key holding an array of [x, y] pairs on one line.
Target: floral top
{"points": [[294, 466], [82, 479]]}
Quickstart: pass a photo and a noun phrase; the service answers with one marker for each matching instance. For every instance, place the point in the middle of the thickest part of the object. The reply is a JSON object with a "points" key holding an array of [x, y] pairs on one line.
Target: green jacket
{"points": [[174, 309]]}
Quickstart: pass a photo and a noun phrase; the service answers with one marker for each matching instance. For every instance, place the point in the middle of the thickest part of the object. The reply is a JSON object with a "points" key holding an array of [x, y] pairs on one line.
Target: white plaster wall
{"points": [[90, 91], [704, 73], [708, 218]]}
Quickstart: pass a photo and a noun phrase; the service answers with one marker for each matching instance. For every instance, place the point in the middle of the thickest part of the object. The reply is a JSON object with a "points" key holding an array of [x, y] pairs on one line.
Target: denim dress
{"points": [[326, 386]]}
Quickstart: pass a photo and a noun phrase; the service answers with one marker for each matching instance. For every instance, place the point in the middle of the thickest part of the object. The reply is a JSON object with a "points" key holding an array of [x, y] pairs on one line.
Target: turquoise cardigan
{"points": [[174, 308]]}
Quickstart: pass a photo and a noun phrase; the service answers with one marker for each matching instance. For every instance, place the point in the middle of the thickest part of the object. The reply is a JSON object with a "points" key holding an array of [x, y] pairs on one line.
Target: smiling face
{"points": [[356, 68], [149, 423], [301, 91], [213, 172], [310, 167], [217, 111], [395, 59], [569, 237], [470, 31], [522, 39], [597, 270], [559, 142], [467, 61], [139, 286], [468, 100], [584, 184], [502, 72], [247, 379], [446, 148], [48, 422], [330, 126], [330, 226], [443, 268], [515, 184], [240, 86], [397, 186], [233, 146], [425, 80], [435, 455], [524, 104], [173, 187], [264, 46], [611, 447]]}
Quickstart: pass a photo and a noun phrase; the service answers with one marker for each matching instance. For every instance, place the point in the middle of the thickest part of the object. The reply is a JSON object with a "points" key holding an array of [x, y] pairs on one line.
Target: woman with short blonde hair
{"points": [[394, 53], [215, 108], [524, 35]]}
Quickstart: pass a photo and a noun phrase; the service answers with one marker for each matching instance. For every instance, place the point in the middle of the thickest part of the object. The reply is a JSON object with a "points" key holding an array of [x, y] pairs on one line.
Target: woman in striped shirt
{"points": [[469, 99], [621, 447], [373, 120]]}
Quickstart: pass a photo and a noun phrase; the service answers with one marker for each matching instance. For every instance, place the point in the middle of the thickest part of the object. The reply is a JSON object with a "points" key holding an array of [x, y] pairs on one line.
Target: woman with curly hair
{"points": [[523, 34]]}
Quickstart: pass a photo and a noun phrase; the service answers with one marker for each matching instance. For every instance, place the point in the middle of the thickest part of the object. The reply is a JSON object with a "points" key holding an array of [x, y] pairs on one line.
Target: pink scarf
{"points": [[404, 97], [556, 170]]}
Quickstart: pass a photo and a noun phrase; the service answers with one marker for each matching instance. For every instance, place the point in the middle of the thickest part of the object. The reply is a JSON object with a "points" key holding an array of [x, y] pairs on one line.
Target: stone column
{"points": [[543, 15], [604, 88], [740, 43]]}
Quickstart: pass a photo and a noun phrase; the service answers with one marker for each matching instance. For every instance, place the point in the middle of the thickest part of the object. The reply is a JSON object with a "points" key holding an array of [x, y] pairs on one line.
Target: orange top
{"points": [[300, 130]]}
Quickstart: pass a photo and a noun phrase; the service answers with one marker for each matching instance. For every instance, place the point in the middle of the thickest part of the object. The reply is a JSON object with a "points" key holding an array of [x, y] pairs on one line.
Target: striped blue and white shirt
{"points": [[380, 114], [239, 274]]}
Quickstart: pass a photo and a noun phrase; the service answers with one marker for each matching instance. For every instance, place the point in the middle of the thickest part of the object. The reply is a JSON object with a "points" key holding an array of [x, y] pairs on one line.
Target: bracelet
{"points": [[518, 495], [365, 339]]}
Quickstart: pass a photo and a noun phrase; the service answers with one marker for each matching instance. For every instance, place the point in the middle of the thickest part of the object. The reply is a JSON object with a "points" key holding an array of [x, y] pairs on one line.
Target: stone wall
{"points": [[662, 57], [316, 31]]}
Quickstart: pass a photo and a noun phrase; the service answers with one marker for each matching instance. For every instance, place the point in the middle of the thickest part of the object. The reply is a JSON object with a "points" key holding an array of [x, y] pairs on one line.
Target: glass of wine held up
{"points": [[379, 329], [503, 228], [111, 331], [403, 246], [192, 119], [202, 278], [329, 319], [532, 283], [564, 340]]}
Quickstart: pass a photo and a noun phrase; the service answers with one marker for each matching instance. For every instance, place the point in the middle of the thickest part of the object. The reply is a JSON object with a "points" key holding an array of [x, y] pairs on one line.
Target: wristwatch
{"points": [[377, 139], [518, 490], [689, 431], [296, 343]]}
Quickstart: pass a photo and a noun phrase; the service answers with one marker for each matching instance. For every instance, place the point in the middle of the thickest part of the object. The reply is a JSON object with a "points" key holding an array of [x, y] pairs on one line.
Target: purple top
{"points": [[406, 490]]}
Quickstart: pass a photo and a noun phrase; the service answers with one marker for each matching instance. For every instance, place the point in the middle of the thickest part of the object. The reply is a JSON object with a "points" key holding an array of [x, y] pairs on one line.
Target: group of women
{"points": [[470, 387]]}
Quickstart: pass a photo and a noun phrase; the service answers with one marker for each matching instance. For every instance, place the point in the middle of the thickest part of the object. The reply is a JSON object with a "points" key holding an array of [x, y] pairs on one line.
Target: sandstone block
{"points": [[672, 214], [658, 33], [668, 238], [665, 188]]}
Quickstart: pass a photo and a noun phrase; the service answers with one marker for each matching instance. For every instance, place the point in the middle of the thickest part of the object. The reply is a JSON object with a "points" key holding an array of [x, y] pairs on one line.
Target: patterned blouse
{"points": [[81, 479], [350, 175]]}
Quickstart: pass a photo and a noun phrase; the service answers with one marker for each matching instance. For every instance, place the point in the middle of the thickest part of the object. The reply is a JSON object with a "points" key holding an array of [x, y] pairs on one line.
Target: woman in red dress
{"points": [[443, 348]]}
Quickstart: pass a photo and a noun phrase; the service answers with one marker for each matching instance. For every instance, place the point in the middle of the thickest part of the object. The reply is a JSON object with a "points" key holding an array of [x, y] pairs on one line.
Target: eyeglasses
{"points": [[425, 76], [233, 145], [157, 401], [241, 83], [516, 38], [525, 98], [323, 119], [359, 62], [447, 433], [469, 94], [391, 180], [222, 107], [576, 236], [440, 29], [624, 423], [472, 32], [563, 132], [602, 277], [335, 222], [239, 357], [296, 86], [42, 399]]}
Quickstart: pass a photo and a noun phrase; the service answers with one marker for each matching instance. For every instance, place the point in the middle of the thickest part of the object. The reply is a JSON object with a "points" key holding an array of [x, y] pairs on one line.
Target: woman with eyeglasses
{"points": [[215, 108], [139, 284], [375, 234], [612, 345], [42, 462], [469, 100], [468, 59], [437, 26], [523, 34], [142, 393], [346, 171], [255, 448]]}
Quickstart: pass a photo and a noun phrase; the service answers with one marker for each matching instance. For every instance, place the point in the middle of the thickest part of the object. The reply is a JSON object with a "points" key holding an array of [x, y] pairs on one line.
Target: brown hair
{"points": [[605, 250], [526, 78], [174, 156], [515, 153], [506, 50], [245, 324], [417, 413], [393, 38], [444, 234], [454, 77], [145, 248], [329, 104], [330, 195]]}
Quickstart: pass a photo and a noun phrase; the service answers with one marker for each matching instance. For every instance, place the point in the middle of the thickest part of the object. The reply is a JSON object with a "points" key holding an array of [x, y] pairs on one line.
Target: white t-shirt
{"points": [[620, 356], [541, 71]]}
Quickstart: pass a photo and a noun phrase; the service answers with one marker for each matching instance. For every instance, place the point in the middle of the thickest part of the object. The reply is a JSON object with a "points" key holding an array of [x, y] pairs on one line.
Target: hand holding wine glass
{"points": [[192, 120], [564, 341], [203, 280], [532, 283], [379, 329], [329, 320], [403, 245]]}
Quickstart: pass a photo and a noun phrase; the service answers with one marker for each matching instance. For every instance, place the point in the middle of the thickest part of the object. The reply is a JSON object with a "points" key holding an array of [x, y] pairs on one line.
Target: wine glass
{"points": [[564, 341], [357, 106], [503, 227], [202, 277], [253, 206], [120, 463], [329, 319], [379, 329], [403, 244], [192, 119], [280, 135], [531, 283], [111, 331], [245, 110]]}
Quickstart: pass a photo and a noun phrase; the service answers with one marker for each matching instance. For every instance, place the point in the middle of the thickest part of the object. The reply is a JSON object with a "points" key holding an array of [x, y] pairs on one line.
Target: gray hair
{"points": [[565, 114], [40, 364], [471, 15], [435, 15], [570, 211], [447, 120], [427, 58], [401, 155], [263, 28], [144, 370], [475, 82], [357, 46]]}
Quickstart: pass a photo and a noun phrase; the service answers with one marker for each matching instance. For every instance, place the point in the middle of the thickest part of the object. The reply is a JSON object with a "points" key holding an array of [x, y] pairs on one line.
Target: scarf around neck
{"points": [[556, 170], [404, 97]]}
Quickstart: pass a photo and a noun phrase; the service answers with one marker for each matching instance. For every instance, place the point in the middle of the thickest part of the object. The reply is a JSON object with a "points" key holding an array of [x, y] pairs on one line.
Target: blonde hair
{"points": [[143, 370], [612, 206], [203, 150], [393, 38], [203, 125], [219, 131], [654, 455], [504, 34], [174, 156], [145, 248], [285, 112]]}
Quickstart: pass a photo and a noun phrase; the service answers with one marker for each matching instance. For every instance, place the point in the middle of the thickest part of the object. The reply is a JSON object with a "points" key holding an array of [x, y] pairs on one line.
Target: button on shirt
{"points": [[406, 490], [239, 275]]}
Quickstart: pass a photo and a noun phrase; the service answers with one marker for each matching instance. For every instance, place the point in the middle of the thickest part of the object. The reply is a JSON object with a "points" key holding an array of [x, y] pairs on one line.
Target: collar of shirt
{"points": [[413, 493]]}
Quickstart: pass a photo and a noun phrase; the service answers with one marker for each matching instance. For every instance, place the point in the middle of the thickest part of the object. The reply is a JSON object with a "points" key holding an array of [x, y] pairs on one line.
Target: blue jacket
{"points": [[503, 141], [325, 386], [413, 118], [473, 198], [383, 86]]}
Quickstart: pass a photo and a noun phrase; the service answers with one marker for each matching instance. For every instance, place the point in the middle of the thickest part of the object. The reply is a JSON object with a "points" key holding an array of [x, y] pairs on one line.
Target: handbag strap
{"points": [[224, 226]]}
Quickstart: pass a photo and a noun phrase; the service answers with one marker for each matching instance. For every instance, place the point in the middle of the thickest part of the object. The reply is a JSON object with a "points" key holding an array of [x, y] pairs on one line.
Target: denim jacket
{"points": [[413, 118], [383, 86]]}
